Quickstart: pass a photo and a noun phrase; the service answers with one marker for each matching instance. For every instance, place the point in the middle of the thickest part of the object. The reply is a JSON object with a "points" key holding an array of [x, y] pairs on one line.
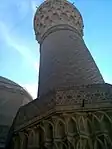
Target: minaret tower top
{"points": [[56, 14]]}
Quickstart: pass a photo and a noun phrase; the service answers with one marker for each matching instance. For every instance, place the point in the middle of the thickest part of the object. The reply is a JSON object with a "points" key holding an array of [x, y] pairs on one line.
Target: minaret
{"points": [[65, 60]]}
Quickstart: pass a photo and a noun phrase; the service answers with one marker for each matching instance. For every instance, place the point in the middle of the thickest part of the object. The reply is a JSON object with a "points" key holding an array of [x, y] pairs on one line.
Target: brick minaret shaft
{"points": [[64, 58]]}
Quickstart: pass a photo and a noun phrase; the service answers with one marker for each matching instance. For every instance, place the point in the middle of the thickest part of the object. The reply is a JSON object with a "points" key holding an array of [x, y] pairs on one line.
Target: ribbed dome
{"points": [[4, 82], [12, 96]]}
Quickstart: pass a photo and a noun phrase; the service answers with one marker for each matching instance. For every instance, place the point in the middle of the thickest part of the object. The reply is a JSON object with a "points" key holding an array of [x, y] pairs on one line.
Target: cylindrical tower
{"points": [[64, 58]]}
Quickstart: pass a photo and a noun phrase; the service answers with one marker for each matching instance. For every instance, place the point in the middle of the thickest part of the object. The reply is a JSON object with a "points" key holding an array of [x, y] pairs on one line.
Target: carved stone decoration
{"points": [[84, 130], [56, 13]]}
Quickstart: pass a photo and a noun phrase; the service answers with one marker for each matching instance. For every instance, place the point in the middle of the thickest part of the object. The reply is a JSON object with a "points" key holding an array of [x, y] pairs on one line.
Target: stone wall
{"points": [[83, 129]]}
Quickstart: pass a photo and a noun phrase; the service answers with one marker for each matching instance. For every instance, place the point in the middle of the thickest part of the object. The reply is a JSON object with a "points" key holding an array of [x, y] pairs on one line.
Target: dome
{"points": [[12, 96]]}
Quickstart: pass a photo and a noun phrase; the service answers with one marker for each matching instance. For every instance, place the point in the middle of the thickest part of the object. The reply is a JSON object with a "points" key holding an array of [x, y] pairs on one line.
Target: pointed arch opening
{"points": [[72, 126], [60, 129], [82, 124], [89, 126], [99, 144], [62, 145], [97, 125], [25, 142], [41, 136], [107, 125], [31, 138], [49, 132]]}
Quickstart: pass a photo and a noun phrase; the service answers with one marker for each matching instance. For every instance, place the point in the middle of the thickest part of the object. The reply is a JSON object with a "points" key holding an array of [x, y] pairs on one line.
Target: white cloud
{"points": [[32, 89], [22, 49]]}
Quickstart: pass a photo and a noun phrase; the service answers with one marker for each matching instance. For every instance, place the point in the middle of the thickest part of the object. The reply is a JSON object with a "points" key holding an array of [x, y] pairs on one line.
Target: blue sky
{"points": [[19, 51]]}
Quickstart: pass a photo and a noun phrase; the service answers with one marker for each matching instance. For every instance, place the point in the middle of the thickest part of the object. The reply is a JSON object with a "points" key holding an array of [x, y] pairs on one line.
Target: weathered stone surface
{"points": [[65, 61], [69, 125], [90, 97]]}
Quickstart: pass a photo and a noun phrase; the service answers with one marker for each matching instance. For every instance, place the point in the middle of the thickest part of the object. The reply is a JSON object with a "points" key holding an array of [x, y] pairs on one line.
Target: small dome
{"points": [[12, 96]]}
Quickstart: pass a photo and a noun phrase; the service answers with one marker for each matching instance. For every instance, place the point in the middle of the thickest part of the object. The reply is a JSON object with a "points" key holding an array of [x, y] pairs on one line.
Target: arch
{"points": [[49, 131], [107, 142], [55, 146], [41, 136], [81, 124], [96, 124], [62, 145], [72, 126], [83, 143], [106, 125], [106, 115], [98, 144], [70, 145], [31, 137], [89, 126], [102, 142], [37, 141], [60, 129], [78, 145], [25, 141]]}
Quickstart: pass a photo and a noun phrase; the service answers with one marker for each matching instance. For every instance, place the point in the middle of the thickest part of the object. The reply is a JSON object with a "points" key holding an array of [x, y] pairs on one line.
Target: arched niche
{"points": [[62, 145], [82, 143], [60, 129], [98, 144], [72, 126], [104, 141], [37, 135], [108, 142], [41, 136], [55, 146], [107, 124], [25, 142], [70, 145], [89, 126], [49, 131], [31, 138], [96, 124], [82, 124]]}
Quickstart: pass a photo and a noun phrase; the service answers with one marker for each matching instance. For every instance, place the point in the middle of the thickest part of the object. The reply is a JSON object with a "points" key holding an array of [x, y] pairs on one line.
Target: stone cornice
{"points": [[58, 110]]}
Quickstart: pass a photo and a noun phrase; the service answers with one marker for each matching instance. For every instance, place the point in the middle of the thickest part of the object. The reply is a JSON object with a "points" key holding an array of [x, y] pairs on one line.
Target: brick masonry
{"points": [[65, 61]]}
